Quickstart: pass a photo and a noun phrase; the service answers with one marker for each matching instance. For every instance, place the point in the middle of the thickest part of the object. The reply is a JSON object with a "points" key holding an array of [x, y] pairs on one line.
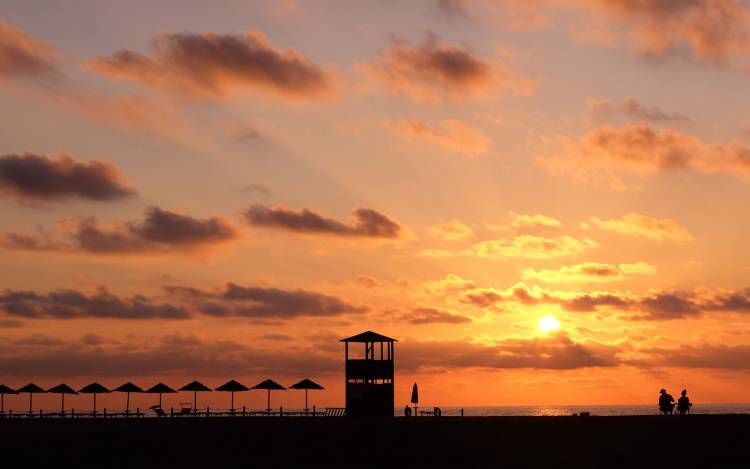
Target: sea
{"points": [[602, 410]]}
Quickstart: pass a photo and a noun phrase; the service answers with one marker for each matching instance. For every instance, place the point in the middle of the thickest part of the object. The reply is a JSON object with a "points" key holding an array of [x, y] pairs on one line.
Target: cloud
{"points": [[170, 355], [72, 304], [587, 272], [434, 72], [449, 285], [263, 303], [366, 222], [636, 224], [606, 153], [705, 30], [255, 188], [36, 177], [454, 8], [557, 352], [602, 108], [729, 357], [22, 56], [451, 134], [160, 230], [518, 293], [424, 315], [213, 65], [530, 247], [453, 230], [524, 221]]}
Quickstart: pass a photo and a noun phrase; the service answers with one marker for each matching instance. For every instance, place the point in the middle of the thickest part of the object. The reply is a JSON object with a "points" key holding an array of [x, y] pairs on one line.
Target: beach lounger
{"points": [[158, 411]]}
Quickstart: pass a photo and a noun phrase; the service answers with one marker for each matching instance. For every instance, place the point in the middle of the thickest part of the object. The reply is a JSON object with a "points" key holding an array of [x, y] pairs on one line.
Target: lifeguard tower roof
{"points": [[368, 336]]}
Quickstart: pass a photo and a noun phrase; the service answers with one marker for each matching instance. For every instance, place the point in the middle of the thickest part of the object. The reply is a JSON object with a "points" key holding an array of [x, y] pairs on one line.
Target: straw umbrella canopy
{"points": [[269, 385], [128, 388], [415, 397], [195, 386], [62, 390], [160, 389], [232, 386], [94, 388], [3, 391], [306, 384], [32, 389]]}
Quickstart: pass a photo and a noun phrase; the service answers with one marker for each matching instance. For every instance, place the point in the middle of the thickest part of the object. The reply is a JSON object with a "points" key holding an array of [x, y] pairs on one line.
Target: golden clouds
{"points": [[214, 65], [435, 72], [636, 224], [587, 272], [450, 134], [531, 247], [24, 56], [453, 230]]}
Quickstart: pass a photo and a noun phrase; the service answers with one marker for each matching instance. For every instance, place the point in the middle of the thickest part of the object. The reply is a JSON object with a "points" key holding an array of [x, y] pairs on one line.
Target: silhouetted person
{"points": [[407, 411], [683, 403], [666, 402]]}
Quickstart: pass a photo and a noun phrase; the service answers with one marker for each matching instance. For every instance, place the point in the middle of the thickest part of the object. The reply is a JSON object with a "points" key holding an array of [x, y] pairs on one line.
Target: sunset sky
{"points": [[216, 190]]}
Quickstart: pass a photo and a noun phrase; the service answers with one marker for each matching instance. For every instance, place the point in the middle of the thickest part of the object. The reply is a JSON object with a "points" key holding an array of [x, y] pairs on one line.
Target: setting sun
{"points": [[548, 324]]}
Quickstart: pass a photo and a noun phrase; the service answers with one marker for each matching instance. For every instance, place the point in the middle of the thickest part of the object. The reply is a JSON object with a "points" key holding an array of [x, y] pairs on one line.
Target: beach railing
{"points": [[243, 412]]}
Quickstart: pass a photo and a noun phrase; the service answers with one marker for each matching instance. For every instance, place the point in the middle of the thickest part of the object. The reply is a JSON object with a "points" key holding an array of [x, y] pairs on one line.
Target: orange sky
{"points": [[224, 190]]}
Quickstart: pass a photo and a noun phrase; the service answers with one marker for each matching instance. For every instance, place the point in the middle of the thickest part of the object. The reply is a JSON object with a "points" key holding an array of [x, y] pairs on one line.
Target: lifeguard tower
{"points": [[369, 377]]}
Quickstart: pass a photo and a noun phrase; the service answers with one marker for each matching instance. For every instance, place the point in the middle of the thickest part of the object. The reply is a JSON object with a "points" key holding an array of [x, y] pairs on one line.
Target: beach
{"points": [[581, 442]]}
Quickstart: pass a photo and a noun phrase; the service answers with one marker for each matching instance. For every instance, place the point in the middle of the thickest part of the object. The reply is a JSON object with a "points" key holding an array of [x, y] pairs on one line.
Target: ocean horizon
{"points": [[600, 410]]}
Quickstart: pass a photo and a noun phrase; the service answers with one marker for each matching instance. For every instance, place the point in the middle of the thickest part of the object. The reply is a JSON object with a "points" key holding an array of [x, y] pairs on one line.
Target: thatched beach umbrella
{"points": [[128, 388], [415, 397], [62, 390], [32, 389], [160, 389], [3, 391], [196, 387], [269, 385], [306, 384], [232, 386], [94, 388]]}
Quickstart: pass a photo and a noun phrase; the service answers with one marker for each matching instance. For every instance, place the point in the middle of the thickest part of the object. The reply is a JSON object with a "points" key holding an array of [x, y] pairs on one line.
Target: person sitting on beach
{"points": [[407, 411], [666, 402], [683, 403]]}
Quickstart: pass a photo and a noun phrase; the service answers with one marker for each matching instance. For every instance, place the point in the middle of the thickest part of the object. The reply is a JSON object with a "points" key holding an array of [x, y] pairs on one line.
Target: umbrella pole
{"points": [[62, 404], [2, 403], [231, 405], [305, 400], [160, 400], [31, 399], [269, 401], [195, 399], [94, 403], [127, 403]]}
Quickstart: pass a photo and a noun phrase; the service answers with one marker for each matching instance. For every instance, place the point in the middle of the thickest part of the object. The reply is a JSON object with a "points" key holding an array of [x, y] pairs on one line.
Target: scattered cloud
{"points": [[587, 272], [454, 8], [36, 177], [636, 224], [263, 303], [366, 222], [434, 72], [160, 230], [425, 315], [255, 188], [531, 247], [451, 135], [523, 221], [213, 65], [607, 154], [22, 56], [72, 304], [453, 230], [631, 108]]}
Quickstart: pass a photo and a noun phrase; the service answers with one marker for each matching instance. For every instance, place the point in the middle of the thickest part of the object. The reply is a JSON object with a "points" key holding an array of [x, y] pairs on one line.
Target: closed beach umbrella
{"points": [[160, 389], [415, 397], [196, 387], [62, 390], [32, 389], [128, 388], [94, 388], [306, 384], [3, 391], [269, 385], [232, 386]]}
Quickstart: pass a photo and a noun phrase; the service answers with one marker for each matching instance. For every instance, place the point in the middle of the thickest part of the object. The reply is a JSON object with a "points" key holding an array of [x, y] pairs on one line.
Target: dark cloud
{"points": [[174, 354], [419, 316], [634, 109], [454, 8], [72, 304], [215, 65], [729, 357], [264, 303], [435, 71], [23, 56], [554, 352], [160, 230], [367, 223], [255, 188], [37, 177]]}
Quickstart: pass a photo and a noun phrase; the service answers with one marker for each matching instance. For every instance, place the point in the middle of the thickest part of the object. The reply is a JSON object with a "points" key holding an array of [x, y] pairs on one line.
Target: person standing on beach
{"points": [[683, 403], [666, 402]]}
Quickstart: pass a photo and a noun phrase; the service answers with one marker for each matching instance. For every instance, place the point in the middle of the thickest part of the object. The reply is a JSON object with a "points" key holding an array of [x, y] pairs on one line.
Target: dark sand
{"points": [[706, 441]]}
